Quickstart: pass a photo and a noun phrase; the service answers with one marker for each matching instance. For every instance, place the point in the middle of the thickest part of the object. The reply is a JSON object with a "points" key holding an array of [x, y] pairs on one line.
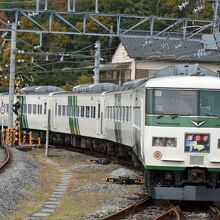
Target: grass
{"points": [[35, 197], [74, 203]]}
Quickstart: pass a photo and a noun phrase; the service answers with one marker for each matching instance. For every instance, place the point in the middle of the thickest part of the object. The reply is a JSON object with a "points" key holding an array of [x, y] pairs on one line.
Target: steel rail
{"points": [[131, 209], [214, 212], [172, 213], [7, 158]]}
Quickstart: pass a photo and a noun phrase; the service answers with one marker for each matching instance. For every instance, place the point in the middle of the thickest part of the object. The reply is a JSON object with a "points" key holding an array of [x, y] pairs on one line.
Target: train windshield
{"points": [[209, 103], [183, 102]]}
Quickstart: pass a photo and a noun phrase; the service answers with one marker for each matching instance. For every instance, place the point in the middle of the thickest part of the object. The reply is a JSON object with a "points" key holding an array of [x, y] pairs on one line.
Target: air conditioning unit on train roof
{"points": [[134, 83], [102, 87], [80, 88], [96, 87], [40, 89], [185, 70]]}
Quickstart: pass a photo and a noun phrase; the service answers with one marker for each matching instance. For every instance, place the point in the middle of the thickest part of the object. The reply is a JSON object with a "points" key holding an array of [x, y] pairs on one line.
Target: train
{"points": [[168, 124]]}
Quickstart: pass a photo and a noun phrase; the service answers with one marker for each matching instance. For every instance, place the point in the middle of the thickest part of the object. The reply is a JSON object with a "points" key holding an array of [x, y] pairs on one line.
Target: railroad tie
{"points": [[54, 198]]}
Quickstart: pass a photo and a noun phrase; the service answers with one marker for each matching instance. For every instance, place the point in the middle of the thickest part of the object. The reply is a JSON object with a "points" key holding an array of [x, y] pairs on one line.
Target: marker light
{"points": [[157, 155]]}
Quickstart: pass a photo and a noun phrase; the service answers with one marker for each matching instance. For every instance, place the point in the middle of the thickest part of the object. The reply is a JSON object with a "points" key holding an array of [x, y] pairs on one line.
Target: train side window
{"points": [[29, 108], [110, 113], [69, 110], [63, 110], [120, 118], [127, 114], [82, 111], [7, 108], [45, 108], [59, 110], [94, 112], [77, 111], [34, 109], [87, 111], [98, 110], [56, 109], [91, 111], [116, 113], [123, 114], [106, 112], [113, 113], [41, 109], [25, 109], [73, 110]]}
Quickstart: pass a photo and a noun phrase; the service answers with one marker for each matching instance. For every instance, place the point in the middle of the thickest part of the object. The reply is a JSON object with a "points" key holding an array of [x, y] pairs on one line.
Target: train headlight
{"points": [[163, 142], [158, 141], [170, 142]]}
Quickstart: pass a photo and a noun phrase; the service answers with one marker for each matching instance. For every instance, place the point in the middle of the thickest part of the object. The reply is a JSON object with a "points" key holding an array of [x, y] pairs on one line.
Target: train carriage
{"points": [[182, 135]]}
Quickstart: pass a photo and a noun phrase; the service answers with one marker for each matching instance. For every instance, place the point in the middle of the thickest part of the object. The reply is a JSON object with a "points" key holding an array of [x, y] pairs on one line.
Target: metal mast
{"points": [[97, 61], [12, 75]]}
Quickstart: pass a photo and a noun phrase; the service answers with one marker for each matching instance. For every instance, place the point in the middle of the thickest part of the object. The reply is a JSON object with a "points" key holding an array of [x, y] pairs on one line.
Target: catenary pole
{"points": [[12, 75], [97, 61]]}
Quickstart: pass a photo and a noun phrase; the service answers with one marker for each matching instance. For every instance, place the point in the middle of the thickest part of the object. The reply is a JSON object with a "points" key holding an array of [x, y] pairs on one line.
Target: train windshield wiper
{"points": [[161, 115], [174, 115], [214, 115]]}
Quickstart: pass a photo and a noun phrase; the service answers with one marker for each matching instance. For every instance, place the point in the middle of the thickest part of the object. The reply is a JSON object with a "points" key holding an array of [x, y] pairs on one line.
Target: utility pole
{"points": [[97, 6], [12, 75], [97, 62]]}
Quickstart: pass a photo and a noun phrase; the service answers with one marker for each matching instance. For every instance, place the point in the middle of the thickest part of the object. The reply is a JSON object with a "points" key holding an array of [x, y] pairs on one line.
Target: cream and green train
{"points": [[170, 124]]}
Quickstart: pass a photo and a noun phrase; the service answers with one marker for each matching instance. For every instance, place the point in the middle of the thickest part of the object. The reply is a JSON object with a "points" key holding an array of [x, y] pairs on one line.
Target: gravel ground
{"points": [[21, 175], [126, 194], [1, 155]]}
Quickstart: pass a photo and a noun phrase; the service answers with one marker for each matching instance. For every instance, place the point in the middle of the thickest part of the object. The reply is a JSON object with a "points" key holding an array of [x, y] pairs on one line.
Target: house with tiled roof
{"points": [[137, 58]]}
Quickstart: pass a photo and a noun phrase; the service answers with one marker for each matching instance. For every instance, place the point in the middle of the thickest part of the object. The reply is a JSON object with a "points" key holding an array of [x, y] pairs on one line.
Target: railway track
{"points": [[142, 204], [214, 212], [174, 212], [7, 158]]}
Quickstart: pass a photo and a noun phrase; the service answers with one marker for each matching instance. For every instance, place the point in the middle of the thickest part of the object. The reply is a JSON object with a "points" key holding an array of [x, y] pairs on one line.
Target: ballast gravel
{"points": [[15, 180]]}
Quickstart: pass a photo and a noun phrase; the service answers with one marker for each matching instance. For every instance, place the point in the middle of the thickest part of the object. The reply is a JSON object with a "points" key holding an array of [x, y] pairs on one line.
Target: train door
{"points": [[45, 115], [54, 112], [142, 114], [98, 118], [136, 127]]}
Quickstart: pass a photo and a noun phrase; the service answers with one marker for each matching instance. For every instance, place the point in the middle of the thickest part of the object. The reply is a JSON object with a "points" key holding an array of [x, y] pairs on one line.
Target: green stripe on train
{"points": [[163, 168], [176, 168], [167, 121], [22, 116], [73, 121], [77, 119]]}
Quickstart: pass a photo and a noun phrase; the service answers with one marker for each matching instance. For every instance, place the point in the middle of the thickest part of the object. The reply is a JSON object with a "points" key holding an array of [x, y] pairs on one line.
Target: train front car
{"points": [[182, 134]]}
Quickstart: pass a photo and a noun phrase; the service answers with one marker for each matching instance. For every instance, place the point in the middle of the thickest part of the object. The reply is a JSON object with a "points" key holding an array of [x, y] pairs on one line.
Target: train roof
{"points": [[188, 82], [185, 76]]}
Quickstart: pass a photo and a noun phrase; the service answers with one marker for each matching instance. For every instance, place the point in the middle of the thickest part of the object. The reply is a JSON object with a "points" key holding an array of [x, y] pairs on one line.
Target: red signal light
{"points": [[157, 155]]}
